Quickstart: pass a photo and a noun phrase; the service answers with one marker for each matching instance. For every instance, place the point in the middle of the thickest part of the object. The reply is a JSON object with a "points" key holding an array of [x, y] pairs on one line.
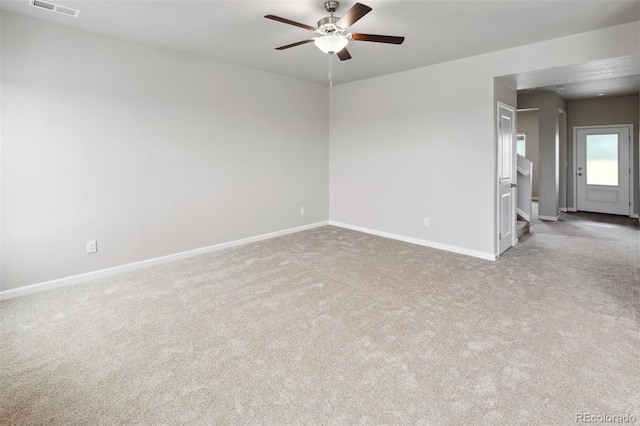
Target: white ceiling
{"points": [[620, 86], [604, 69], [436, 31], [607, 77]]}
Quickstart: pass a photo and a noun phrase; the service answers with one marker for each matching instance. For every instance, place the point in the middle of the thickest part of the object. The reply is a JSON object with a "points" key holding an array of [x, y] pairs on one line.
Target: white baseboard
{"points": [[551, 218], [574, 210], [563, 209], [75, 279], [426, 243]]}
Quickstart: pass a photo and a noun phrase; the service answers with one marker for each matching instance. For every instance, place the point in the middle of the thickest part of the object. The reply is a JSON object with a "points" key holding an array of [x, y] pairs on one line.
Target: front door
{"points": [[602, 169], [506, 178]]}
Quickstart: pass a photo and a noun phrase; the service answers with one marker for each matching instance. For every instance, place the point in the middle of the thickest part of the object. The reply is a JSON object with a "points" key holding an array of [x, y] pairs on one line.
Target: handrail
{"points": [[524, 165], [525, 185]]}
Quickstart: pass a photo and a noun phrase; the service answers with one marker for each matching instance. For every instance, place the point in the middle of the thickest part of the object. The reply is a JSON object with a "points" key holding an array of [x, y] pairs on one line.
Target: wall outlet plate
{"points": [[92, 246]]}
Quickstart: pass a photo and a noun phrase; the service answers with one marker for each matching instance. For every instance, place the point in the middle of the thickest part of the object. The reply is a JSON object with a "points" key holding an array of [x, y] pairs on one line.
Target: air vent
{"points": [[55, 8]]}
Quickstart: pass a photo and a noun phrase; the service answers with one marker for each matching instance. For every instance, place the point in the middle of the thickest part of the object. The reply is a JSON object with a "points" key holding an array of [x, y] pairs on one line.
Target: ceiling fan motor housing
{"points": [[328, 26]]}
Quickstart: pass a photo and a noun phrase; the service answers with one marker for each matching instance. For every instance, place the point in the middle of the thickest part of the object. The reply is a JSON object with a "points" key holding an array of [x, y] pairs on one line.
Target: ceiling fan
{"points": [[333, 31]]}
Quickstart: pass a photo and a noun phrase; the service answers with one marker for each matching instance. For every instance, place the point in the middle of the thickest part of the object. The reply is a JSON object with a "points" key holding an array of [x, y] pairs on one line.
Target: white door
{"points": [[506, 179], [602, 170]]}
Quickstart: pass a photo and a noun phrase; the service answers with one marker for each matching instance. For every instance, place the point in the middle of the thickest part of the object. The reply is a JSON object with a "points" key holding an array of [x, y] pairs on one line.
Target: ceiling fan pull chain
{"points": [[330, 70]]}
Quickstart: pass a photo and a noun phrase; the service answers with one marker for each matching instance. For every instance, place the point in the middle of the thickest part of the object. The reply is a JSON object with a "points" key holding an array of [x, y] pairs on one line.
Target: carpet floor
{"points": [[332, 326]]}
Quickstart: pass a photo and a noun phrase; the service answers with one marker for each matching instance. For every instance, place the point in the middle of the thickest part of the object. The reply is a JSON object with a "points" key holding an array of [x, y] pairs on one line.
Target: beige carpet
{"points": [[331, 326]]}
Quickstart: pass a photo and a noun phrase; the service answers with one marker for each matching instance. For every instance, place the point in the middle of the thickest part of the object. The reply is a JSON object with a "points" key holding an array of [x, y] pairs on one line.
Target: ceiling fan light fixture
{"points": [[331, 43]]}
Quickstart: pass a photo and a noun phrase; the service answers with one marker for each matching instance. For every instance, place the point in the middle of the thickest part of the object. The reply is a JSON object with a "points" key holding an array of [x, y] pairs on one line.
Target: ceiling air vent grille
{"points": [[55, 8]]}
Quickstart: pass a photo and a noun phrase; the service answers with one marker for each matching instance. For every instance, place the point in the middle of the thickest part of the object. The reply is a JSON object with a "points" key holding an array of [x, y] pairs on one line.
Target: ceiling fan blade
{"points": [[344, 54], [377, 38], [352, 15], [290, 22], [294, 44]]}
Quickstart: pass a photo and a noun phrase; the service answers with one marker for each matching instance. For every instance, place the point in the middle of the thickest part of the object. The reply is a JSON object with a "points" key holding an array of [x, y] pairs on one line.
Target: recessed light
{"points": [[599, 94]]}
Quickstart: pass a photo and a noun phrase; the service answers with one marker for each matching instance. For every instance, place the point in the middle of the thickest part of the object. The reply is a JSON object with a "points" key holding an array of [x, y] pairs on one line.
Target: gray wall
{"points": [[421, 143], [504, 93], [150, 152], [153, 152], [603, 111], [528, 124]]}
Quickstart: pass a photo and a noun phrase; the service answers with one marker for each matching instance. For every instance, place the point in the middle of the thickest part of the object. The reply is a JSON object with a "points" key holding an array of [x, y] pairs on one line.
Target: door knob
{"points": [[514, 185], [579, 174]]}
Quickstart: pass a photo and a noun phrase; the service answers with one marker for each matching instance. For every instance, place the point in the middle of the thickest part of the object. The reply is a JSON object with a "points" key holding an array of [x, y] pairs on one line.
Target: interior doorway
{"points": [[603, 178]]}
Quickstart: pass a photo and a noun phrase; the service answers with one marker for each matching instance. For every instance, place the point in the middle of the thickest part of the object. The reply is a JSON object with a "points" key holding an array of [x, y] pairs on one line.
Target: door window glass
{"points": [[602, 160]]}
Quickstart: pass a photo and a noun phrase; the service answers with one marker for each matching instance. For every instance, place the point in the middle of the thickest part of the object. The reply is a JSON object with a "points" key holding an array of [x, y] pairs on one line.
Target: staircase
{"points": [[524, 227], [525, 188]]}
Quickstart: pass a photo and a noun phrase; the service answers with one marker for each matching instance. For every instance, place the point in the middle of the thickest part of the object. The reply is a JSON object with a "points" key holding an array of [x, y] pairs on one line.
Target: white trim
{"points": [[420, 242], [75, 279], [574, 178], [635, 216], [551, 218], [563, 210], [523, 214], [522, 171], [572, 209], [632, 170], [631, 161]]}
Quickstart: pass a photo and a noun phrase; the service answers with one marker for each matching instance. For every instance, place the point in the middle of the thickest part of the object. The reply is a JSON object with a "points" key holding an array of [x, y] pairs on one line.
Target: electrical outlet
{"points": [[92, 246], [426, 221], [302, 210]]}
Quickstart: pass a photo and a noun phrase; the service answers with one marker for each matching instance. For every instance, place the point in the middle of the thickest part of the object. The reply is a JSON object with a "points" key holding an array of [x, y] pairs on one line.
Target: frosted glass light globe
{"points": [[331, 44]]}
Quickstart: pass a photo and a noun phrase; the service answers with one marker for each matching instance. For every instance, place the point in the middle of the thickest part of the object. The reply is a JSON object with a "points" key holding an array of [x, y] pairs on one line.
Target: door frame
{"points": [[631, 162]]}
